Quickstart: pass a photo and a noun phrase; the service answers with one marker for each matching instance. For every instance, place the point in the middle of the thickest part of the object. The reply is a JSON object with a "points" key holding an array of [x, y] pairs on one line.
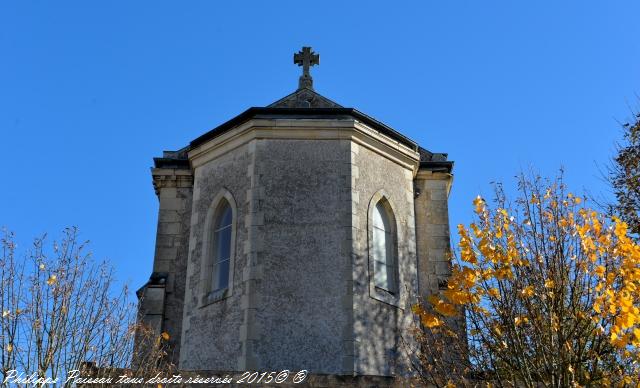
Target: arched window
{"points": [[221, 248], [382, 248]]}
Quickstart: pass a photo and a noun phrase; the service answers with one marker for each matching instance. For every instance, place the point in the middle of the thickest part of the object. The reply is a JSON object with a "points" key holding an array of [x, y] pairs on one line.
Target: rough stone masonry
{"points": [[303, 179]]}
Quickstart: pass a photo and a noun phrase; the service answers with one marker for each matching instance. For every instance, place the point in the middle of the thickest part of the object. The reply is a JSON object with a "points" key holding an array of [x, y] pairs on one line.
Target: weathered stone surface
{"points": [[301, 293], [380, 324], [301, 256], [161, 302], [212, 332], [432, 230]]}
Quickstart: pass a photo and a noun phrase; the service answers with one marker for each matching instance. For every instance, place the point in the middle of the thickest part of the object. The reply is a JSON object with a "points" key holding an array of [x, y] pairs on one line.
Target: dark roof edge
{"points": [[317, 112], [171, 163], [438, 166]]}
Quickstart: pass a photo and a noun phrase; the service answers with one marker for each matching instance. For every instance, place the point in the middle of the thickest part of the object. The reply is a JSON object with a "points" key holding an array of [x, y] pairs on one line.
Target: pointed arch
{"points": [[219, 247], [383, 246]]}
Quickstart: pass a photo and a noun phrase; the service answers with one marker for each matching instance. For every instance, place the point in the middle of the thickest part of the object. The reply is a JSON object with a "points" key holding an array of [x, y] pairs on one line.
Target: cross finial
{"points": [[306, 58]]}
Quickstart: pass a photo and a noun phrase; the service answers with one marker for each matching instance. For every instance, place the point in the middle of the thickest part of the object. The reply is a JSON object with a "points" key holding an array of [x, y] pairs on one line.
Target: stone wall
{"points": [[299, 251], [301, 293], [432, 230], [162, 297], [211, 331], [380, 318]]}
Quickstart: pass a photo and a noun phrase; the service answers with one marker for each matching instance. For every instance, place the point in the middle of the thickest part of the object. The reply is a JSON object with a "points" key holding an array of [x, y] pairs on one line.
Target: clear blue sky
{"points": [[91, 91]]}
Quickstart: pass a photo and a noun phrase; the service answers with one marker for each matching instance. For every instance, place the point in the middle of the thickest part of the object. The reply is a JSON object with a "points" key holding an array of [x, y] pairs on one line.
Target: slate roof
{"points": [[304, 98]]}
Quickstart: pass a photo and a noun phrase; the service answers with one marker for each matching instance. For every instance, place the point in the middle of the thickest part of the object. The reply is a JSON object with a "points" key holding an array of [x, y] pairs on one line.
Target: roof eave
{"points": [[317, 112], [438, 166]]}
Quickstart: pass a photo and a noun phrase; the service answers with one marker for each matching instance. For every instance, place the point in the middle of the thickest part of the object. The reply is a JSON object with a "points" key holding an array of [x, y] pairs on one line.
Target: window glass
{"points": [[380, 275], [223, 243], [379, 245], [382, 249], [222, 275], [221, 247]]}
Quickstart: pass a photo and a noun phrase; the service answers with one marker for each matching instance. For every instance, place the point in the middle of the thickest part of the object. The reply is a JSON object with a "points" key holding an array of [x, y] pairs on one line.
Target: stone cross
{"points": [[306, 58]]}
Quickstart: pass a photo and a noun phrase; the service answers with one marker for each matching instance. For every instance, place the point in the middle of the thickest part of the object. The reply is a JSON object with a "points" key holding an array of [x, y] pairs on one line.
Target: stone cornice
{"points": [[306, 129], [169, 177]]}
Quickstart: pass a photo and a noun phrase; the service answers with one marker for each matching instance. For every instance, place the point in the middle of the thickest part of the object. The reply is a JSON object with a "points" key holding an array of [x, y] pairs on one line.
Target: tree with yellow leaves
{"points": [[550, 292], [61, 311]]}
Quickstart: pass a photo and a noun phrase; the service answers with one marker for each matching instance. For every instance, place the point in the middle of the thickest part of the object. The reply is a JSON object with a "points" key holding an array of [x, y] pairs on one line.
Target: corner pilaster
{"points": [[162, 297], [350, 249], [250, 330], [432, 229]]}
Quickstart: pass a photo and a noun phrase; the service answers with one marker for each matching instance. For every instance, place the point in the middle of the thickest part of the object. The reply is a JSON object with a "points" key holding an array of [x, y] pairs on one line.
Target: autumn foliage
{"points": [[62, 311], [550, 292]]}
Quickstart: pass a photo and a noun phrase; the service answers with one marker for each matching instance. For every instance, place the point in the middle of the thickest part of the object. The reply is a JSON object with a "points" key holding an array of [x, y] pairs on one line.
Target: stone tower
{"points": [[296, 236]]}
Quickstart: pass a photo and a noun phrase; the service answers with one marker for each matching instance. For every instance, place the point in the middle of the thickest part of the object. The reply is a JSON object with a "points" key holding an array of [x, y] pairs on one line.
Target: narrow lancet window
{"points": [[221, 246], [383, 249]]}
